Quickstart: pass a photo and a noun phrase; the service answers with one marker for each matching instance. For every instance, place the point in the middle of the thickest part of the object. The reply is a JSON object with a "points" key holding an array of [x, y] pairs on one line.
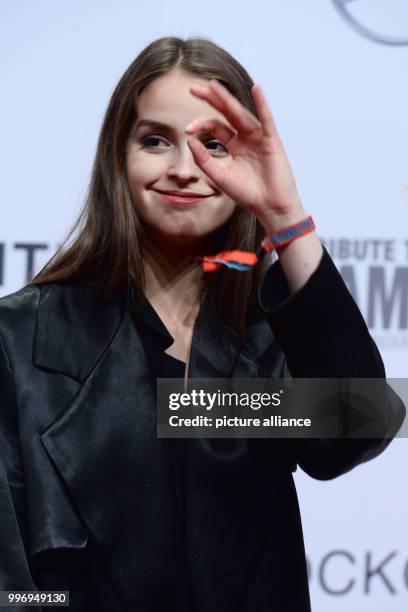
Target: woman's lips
{"points": [[182, 199]]}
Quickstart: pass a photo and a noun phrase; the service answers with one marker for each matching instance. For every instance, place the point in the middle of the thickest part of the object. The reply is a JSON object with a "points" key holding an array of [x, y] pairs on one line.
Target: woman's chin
{"points": [[179, 234]]}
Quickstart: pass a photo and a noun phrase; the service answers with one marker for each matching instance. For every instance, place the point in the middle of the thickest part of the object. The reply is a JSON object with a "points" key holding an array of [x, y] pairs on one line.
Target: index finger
{"points": [[264, 114], [217, 95]]}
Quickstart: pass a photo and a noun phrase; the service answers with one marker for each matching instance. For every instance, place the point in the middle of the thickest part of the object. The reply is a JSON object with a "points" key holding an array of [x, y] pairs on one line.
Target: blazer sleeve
{"points": [[322, 334], [14, 566]]}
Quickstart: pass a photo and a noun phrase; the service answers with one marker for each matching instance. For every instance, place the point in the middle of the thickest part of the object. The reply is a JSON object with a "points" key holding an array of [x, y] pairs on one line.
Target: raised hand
{"points": [[259, 177]]}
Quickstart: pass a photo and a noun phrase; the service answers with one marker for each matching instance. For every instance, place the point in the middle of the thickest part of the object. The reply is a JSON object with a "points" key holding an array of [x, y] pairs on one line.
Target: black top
{"points": [[156, 339]]}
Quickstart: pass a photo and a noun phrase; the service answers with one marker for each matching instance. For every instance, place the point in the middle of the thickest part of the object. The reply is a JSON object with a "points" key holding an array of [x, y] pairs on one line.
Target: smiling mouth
{"points": [[182, 199]]}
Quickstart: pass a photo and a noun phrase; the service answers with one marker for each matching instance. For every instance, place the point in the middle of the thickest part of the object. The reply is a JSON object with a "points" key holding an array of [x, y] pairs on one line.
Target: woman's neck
{"points": [[173, 278]]}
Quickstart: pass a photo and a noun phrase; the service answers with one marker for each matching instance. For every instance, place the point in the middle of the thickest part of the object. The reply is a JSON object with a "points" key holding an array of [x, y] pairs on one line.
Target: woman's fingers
{"points": [[264, 114], [207, 164], [220, 130], [217, 95]]}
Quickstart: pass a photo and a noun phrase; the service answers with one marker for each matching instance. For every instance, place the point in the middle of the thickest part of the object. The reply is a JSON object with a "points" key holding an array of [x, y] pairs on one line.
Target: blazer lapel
{"points": [[105, 445], [74, 326]]}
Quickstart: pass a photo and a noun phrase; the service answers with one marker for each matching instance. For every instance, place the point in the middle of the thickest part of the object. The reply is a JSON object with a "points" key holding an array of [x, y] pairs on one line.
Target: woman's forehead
{"points": [[168, 100]]}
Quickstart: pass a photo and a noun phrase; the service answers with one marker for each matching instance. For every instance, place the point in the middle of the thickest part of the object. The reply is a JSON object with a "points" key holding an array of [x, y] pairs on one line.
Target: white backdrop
{"points": [[340, 101]]}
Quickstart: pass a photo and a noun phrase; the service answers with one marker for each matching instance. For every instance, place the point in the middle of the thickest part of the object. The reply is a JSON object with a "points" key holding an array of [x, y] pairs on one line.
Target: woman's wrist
{"points": [[273, 221], [301, 256]]}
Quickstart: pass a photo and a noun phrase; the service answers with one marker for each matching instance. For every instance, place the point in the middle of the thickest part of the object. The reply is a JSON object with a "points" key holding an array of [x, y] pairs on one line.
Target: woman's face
{"points": [[158, 159]]}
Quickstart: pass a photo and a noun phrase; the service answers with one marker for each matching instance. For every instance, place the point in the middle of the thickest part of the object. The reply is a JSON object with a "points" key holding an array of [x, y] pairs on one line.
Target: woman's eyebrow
{"points": [[163, 127], [157, 125]]}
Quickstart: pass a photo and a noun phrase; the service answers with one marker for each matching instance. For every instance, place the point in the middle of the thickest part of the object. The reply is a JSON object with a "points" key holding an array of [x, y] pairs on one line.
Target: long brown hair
{"points": [[107, 249]]}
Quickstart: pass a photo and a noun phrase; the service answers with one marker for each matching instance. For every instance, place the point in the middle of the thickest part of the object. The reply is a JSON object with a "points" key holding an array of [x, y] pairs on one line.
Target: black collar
{"points": [[150, 322]]}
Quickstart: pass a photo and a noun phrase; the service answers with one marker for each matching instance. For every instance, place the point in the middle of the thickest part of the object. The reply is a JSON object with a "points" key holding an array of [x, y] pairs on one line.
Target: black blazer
{"points": [[87, 496]]}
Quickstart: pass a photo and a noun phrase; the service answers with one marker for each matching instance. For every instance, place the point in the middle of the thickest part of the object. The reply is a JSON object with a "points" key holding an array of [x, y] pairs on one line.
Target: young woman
{"points": [[189, 168]]}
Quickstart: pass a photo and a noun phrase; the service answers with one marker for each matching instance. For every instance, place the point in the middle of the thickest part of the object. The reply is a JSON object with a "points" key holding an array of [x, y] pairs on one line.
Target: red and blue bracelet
{"points": [[246, 260]]}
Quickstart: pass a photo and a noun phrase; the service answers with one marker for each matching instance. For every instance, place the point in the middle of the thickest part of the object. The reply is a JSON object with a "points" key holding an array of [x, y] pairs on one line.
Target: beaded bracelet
{"points": [[246, 260]]}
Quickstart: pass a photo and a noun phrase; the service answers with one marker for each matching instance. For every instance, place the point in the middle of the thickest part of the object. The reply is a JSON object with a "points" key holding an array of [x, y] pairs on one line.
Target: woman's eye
{"points": [[153, 142], [216, 143], [150, 141]]}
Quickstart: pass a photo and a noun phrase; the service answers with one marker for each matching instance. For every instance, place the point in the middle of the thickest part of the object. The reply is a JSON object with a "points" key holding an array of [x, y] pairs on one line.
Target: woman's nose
{"points": [[183, 165]]}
